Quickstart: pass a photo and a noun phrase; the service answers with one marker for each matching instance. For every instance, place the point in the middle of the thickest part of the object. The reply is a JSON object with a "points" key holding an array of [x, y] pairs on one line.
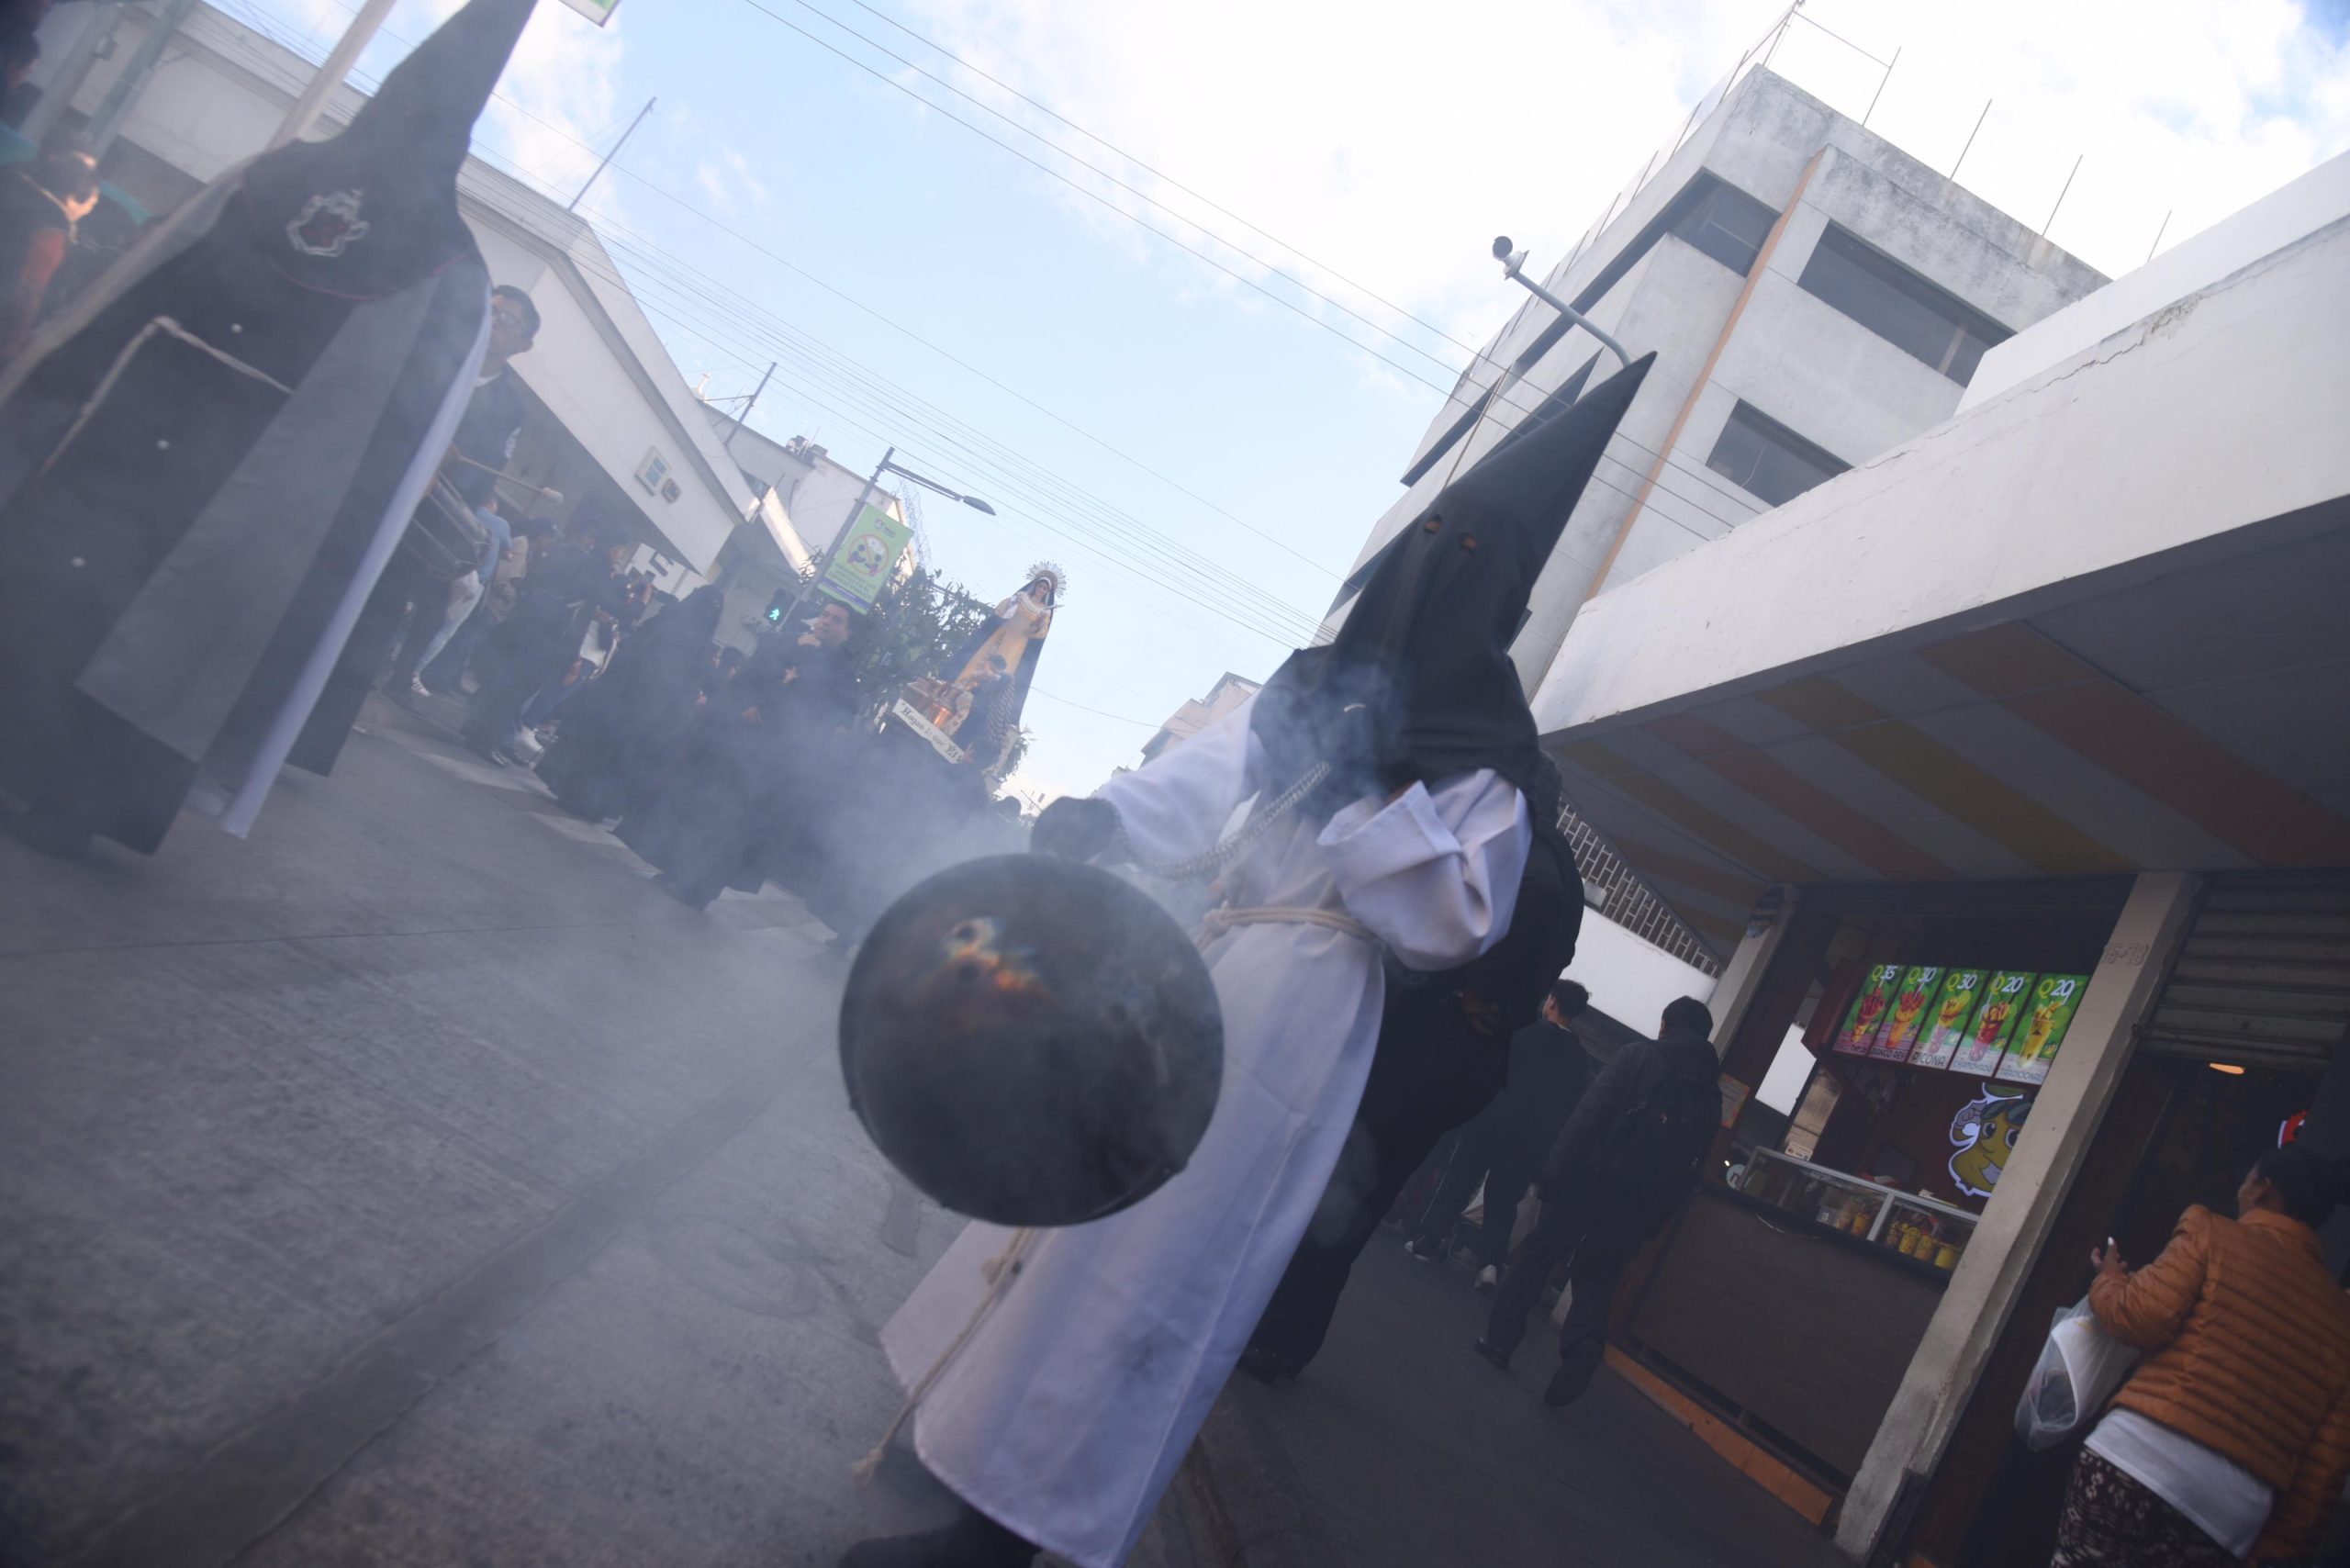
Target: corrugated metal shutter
{"points": [[2264, 975]]}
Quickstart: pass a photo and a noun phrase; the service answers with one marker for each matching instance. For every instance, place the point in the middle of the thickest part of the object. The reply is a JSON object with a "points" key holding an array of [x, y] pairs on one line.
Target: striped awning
{"points": [[2191, 713]]}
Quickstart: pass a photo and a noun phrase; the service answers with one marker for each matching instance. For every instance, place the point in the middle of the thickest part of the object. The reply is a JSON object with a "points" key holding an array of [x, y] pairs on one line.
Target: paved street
{"points": [[415, 1185]]}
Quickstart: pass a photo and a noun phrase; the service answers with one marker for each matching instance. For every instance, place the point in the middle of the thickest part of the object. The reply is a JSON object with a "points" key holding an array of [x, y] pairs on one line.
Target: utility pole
{"points": [[856, 510], [115, 108], [573, 205], [744, 413], [306, 110]]}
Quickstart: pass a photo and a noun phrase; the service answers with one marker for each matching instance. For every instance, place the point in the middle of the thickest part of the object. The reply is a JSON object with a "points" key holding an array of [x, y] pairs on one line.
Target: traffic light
{"points": [[777, 605]]}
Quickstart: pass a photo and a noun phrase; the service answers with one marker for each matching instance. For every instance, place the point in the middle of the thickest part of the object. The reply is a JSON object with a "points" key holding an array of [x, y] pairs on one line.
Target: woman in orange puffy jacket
{"points": [[2230, 1440]]}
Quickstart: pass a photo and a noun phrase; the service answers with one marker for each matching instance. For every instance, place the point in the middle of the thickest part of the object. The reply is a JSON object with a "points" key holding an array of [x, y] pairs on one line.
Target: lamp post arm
{"points": [[1571, 313]]}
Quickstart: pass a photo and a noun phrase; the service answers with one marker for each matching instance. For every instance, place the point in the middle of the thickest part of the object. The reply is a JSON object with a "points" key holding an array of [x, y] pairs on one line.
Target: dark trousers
{"points": [[1596, 1228], [1506, 1183], [1432, 1071]]}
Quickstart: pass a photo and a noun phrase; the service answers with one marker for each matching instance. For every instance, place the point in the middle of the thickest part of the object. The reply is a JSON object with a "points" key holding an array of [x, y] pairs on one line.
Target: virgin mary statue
{"points": [[1001, 661]]}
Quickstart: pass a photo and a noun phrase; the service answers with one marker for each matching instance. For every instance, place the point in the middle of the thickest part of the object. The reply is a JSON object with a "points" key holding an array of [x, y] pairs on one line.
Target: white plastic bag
{"points": [[2079, 1369]]}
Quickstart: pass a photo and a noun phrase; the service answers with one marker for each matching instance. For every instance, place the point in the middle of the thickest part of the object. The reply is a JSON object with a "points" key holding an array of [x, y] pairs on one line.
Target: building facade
{"points": [[805, 498], [1814, 295], [2013, 765], [611, 426]]}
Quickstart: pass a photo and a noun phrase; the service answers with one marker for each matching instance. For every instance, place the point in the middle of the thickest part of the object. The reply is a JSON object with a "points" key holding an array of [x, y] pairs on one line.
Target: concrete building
{"points": [[612, 424], [1814, 295], [1197, 713], [2052, 690], [805, 498]]}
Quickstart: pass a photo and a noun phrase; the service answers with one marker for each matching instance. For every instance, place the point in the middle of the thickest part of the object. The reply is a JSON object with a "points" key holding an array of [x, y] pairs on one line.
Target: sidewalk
{"points": [[1400, 1446]]}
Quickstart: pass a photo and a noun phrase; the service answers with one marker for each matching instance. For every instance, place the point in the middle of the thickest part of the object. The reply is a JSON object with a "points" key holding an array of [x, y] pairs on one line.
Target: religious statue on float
{"points": [[979, 707]]}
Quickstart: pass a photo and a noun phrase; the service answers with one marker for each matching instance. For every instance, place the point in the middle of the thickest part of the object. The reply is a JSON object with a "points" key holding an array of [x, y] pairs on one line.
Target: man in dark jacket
{"points": [[1504, 1147], [1620, 1168]]}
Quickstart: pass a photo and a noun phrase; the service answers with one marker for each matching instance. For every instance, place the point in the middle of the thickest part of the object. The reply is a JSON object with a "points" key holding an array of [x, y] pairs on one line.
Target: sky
{"points": [[1204, 440]]}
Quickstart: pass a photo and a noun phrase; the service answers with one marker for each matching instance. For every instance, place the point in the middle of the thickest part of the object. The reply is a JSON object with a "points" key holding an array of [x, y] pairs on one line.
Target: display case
{"points": [[1922, 1228]]}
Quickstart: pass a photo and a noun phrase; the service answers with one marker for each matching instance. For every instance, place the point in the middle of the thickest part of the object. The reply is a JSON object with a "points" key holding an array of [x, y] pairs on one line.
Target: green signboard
{"points": [[597, 11], [2046, 1017], [868, 555], [1870, 1012], [2004, 999]]}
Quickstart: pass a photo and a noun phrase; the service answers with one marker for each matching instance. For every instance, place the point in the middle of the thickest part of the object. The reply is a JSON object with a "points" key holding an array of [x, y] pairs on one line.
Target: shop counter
{"points": [[1806, 1327]]}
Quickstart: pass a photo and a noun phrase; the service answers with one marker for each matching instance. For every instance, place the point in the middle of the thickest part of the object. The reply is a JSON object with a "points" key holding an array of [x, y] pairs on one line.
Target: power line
{"points": [[893, 325], [1213, 580], [1103, 712], [1478, 355], [1496, 394]]}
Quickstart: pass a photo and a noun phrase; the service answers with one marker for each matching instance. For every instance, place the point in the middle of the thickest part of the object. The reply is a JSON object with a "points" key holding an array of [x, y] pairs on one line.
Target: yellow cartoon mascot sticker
{"points": [[1985, 1132]]}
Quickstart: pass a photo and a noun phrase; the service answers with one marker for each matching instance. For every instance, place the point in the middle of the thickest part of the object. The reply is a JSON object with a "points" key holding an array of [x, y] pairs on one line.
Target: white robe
{"points": [[1065, 1415]]}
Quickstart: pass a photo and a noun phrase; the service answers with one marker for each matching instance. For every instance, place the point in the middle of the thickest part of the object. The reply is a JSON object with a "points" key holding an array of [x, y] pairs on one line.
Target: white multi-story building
{"points": [[1814, 296]]}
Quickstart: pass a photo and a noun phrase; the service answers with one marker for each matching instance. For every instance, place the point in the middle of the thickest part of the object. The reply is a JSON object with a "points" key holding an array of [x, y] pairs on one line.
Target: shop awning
{"points": [[2094, 625]]}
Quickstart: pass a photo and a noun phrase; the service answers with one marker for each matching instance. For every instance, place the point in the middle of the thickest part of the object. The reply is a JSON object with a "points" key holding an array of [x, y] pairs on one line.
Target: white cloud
{"points": [[728, 184], [561, 86], [1391, 145]]}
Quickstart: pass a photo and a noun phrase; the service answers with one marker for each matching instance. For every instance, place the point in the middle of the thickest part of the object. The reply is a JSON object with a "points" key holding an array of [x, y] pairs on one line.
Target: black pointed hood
{"points": [[1424, 654], [374, 209]]}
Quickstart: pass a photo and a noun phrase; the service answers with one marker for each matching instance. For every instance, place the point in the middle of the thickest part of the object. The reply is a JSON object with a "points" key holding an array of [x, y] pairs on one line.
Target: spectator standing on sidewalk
{"points": [[408, 603], [1620, 1167], [2231, 1439], [562, 596], [1504, 1147], [483, 447], [485, 630], [464, 595], [41, 207]]}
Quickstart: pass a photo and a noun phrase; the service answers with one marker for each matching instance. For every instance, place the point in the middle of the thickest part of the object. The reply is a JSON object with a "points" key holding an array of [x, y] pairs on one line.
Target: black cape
{"points": [[207, 462], [618, 735]]}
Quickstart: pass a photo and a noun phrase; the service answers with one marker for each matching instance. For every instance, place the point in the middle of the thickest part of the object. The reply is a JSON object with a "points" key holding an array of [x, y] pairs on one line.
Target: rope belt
{"points": [[1217, 921], [999, 1272]]}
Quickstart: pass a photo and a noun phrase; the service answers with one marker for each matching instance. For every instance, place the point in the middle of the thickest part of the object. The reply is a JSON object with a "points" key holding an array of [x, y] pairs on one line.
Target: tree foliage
{"points": [[919, 627]]}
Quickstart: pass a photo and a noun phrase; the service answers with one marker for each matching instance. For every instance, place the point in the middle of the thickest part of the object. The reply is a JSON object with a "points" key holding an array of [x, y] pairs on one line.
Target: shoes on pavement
{"points": [[1489, 1280], [1566, 1385], [418, 689], [1424, 1254], [1267, 1367], [1499, 1358]]}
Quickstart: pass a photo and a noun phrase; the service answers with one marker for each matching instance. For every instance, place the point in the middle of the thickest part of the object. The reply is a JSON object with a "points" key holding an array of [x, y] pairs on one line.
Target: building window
{"points": [[1723, 221], [1711, 215], [1764, 458], [1918, 318]]}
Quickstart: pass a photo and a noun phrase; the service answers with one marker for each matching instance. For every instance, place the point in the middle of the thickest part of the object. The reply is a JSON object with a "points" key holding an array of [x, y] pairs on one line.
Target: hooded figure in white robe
{"points": [[1059, 1375]]}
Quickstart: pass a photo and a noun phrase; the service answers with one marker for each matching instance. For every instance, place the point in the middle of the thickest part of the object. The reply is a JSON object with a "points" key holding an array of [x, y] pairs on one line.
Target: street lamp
{"points": [[1512, 259], [886, 466]]}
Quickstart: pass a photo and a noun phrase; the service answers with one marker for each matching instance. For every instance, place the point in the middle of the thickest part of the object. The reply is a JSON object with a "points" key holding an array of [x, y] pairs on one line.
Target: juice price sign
{"points": [[1947, 1017], [2004, 997], [2046, 1017], [1910, 1000], [1871, 1009]]}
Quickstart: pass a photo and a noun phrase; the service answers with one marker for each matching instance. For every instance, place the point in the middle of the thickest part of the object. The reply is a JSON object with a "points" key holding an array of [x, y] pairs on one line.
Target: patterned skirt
{"points": [[2113, 1521]]}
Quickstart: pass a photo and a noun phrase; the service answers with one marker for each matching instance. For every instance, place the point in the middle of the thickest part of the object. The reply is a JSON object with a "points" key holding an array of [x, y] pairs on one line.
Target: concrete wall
{"points": [[1789, 354], [2211, 415], [2318, 198]]}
